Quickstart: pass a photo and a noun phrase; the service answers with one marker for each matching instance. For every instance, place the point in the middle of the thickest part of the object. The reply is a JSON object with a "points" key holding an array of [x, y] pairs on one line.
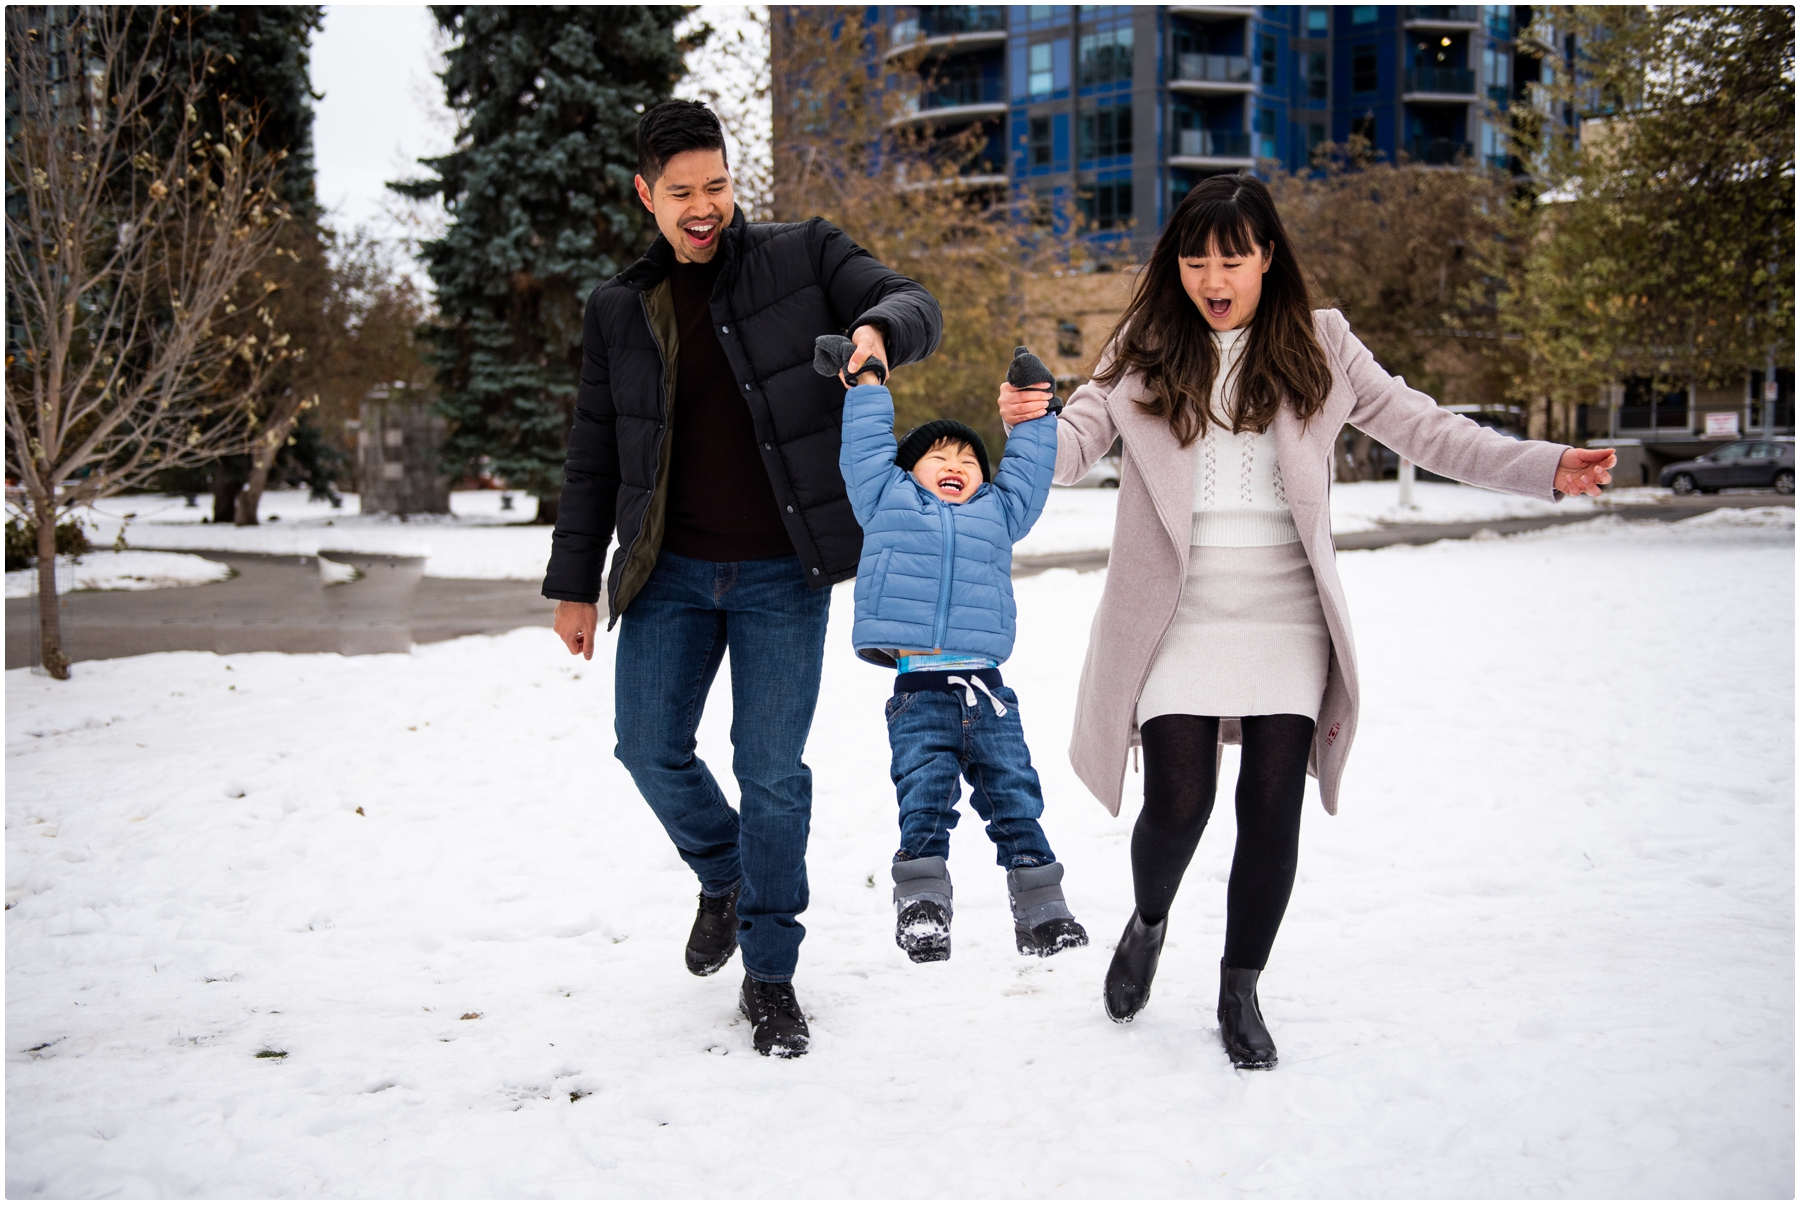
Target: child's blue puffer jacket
{"points": [[936, 575]]}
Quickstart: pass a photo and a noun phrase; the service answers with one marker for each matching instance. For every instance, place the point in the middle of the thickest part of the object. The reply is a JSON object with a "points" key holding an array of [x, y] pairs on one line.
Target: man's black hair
{"points": [[671, 128]]}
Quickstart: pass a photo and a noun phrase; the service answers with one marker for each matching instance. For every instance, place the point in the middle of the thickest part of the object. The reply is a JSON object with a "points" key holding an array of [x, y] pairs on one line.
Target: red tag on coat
{"points": [[1331, 737]]}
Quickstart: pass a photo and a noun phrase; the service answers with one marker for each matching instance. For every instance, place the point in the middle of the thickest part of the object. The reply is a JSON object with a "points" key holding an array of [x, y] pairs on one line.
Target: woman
{"points": [[1223, 618]]}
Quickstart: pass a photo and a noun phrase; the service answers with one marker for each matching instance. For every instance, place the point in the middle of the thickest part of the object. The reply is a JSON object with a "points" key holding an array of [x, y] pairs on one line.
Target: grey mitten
{"points": [[831, 355], [1027, 371]]}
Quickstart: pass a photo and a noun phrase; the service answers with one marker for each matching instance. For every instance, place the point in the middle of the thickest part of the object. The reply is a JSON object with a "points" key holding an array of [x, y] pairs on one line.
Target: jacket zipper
{"points": [[662, 433], [942, 627]]}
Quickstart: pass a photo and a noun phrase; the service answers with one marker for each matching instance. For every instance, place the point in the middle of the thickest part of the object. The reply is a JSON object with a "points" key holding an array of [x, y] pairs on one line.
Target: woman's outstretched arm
{"points": [[1413, 424]]}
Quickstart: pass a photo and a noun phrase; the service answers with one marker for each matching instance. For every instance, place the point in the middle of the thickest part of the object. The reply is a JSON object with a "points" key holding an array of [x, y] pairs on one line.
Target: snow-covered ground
{"points": [[480, 540], [1546, 950], [131, 570]]}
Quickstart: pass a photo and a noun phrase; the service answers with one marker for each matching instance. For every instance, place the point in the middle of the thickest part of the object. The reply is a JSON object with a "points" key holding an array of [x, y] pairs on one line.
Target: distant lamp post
{"points": [[1406, 484]]}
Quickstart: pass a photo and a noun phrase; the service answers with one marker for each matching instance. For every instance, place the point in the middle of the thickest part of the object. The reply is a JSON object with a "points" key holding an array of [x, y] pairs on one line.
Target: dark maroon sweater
{"points": [[721, 506]]}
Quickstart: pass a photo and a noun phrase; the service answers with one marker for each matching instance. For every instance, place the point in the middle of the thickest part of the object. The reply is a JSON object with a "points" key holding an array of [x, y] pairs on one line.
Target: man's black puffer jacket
{"points": [[782, 286]]}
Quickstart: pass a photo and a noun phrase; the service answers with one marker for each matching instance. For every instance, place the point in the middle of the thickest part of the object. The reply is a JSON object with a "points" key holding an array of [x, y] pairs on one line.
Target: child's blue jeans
{"points": [[940, 735]]}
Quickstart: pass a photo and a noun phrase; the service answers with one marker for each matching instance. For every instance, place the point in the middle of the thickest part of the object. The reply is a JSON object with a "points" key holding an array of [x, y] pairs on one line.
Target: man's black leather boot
{"points": [[713, 938], [778, 1027]]}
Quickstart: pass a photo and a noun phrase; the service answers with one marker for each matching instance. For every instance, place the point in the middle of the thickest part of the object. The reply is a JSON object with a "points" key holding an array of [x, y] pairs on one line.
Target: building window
{"points": [[1318, 21], [1042, 78], [1270, 65], [1364, 128], [1106, 57], [1068, 339], [1106, 132], [1039, 12], [1038, 142], [1362, 14], [1268, 124], [1317, 82], [1106, 206], [1315, 136], [1363, 74]]}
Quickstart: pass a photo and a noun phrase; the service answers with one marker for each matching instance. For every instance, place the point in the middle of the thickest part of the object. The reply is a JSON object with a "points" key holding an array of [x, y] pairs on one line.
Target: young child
{"points": [[934, 600]]}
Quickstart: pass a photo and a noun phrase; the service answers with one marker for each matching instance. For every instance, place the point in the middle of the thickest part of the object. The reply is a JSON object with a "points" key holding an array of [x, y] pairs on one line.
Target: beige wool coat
{"points": [[1149, 557]]}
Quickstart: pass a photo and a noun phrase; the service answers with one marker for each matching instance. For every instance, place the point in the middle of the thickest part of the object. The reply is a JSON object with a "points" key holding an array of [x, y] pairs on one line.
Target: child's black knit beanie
{"points": [[920, 439]]}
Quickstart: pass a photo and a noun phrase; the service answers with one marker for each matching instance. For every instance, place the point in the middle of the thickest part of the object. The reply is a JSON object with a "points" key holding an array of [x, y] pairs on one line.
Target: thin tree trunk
{"points": [[49, 614], [225, 487], [262, 459], [1364, 457], [1340, 454]]}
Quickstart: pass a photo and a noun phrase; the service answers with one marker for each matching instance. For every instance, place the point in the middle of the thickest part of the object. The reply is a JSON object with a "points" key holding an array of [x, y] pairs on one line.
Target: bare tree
{"points": [[137, 332], [927, 202]]}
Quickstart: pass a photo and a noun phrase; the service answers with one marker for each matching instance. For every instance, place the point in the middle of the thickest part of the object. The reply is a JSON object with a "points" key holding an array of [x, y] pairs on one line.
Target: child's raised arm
{"points": [[1023, 478], [866, 457]]}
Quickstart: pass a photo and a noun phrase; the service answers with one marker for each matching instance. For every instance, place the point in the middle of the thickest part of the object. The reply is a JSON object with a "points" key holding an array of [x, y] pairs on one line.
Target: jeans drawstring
{"points": [[965, 683]]}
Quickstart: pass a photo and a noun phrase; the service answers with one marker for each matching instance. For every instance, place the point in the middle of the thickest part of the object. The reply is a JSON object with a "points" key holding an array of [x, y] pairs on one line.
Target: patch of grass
{"points": [[271, 1054]]}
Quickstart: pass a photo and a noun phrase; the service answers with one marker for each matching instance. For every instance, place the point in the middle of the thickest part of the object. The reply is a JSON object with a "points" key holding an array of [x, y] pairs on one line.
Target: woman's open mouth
{"points": [[1218, 307]]}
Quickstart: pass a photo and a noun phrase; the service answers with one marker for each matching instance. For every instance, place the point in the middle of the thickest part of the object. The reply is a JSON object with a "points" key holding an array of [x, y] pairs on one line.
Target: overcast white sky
{"points": [[383, 107]]}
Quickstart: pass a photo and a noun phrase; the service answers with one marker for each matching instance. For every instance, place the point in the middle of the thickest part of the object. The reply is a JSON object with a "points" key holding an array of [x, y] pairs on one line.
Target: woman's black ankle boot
{"points": [[1241, 1026], [1133, 967]]}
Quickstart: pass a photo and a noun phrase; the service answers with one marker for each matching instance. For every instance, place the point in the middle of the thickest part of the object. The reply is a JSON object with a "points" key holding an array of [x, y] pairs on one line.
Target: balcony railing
{"points": [[1213, 144], [1453, 81], [956, 93], [1437, 151], [1213, 68], [947, 21], [1450, 14]]}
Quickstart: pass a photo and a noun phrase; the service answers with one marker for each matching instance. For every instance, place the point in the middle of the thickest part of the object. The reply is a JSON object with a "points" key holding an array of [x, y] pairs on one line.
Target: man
{"points": [[704, 436]]}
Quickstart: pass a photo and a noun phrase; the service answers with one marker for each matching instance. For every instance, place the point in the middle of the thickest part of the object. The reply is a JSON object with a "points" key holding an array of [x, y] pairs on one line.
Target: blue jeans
{"points": [[672, 638], [938, 737]]}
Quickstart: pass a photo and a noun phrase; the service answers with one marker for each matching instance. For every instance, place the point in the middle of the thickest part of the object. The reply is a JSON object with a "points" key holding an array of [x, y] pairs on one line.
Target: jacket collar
{"points": [[652, 268]]}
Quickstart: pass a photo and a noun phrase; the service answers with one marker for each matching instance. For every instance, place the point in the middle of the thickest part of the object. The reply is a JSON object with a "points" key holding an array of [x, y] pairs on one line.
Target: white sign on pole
{"points": [[1722, 422], [1771, 391]]}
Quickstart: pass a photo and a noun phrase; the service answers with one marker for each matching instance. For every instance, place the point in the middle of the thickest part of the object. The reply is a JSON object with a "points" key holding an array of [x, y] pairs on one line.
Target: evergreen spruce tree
{"points": [[542, 211]]}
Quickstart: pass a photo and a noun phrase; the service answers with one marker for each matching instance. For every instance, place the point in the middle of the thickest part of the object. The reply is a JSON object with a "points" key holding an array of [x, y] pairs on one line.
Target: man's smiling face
{"points": [[949, 470], [692, 202]]}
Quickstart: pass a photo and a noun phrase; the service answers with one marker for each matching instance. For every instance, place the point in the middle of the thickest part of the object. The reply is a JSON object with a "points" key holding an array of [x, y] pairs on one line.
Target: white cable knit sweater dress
{"points": [[1249, 637]]}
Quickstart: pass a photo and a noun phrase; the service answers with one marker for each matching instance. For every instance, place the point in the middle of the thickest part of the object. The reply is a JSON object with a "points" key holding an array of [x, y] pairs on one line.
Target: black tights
{"points": [[1180, 781]]}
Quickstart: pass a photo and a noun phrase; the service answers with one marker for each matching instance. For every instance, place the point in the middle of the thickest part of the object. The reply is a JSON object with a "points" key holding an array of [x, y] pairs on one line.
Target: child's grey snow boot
{"points": [[922, 909], [1042, 922]]}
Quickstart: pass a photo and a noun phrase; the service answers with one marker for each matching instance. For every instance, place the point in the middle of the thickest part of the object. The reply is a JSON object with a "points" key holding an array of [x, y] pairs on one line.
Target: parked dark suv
{"points": [[1747, 464]]}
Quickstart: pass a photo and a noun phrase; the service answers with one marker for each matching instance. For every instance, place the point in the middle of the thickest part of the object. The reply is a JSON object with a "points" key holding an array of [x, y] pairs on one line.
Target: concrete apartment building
{"points": [[1116, 111]]}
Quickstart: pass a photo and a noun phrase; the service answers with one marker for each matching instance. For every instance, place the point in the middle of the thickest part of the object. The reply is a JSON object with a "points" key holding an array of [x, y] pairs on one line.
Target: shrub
{"points": [[21, 542]]}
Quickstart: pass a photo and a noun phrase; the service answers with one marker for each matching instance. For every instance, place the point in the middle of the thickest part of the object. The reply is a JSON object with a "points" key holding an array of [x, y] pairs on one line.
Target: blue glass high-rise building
{"points": [[1119, 110]]}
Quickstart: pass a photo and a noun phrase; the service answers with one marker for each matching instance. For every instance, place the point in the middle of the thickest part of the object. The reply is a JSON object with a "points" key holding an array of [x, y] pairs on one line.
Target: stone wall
{"points": [[396, 456]]}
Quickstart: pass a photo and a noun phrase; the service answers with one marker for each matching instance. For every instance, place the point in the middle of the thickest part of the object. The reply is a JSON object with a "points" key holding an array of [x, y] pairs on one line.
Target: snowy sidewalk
{"points": [[482, 541], [1546, 949]]}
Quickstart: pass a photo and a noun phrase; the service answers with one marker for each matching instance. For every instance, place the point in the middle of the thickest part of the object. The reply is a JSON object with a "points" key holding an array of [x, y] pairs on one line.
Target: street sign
{"points": [[1771, 391]]}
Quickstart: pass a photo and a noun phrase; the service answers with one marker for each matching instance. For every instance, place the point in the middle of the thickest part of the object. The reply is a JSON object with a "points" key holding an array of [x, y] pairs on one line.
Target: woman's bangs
{"points": [[1218, 225]]}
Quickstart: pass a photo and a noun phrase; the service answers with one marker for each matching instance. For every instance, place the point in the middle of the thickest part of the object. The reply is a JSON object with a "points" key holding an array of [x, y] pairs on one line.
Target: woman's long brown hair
{"points": [[1163, 336]]}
